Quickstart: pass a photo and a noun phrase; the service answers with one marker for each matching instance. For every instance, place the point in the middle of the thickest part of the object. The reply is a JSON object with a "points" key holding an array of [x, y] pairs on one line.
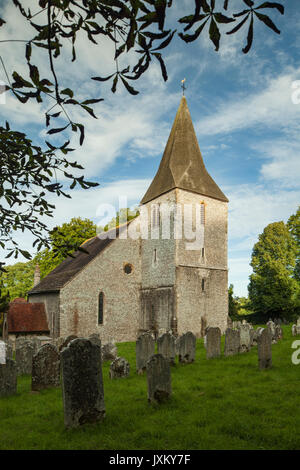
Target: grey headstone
{"points": [[271, 326], [2, 353], [264, 346], [119, 368], [109, 351], [298, 321], [278, 332], [95, 339], [294, 330], [145, 348], [166, 347], [8, 378], [187, 347], [245, 339], [24, 355], [83, 395], [158, 378], [45, 368], [213, 342], [252, 334], [232, 342]]}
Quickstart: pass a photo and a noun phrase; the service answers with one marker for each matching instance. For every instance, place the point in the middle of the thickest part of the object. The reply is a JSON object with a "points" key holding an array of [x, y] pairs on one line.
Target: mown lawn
{"points": [[225, 403]]}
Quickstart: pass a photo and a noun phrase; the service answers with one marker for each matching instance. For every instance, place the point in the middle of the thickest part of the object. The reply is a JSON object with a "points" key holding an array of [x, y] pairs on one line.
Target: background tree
{"points": [[4, 303], [122, 216], [273, 289], [30, 171], [233, 305], [18, 278], [293, 225]]}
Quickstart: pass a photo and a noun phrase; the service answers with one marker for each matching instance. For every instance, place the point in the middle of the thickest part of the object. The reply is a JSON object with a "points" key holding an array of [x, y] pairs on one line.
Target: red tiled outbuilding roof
{"points": [[26, 317]]}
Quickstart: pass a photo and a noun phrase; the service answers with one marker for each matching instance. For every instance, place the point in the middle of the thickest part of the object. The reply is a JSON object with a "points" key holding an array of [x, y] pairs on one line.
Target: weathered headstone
{"points": [[65, 343], [232, 342], [187, 347], [213, 342], [264, 346], [145, 347], [278, 332], [252, 334], [9, 350], [245, 339], [158, 378], [24, 355], [8, 378], [294, 330], [166, 347], [271, 326], [83, 395], [119, 368], [2, 353], [109, 351], [45, 368], [298, 321], [95, 339]]}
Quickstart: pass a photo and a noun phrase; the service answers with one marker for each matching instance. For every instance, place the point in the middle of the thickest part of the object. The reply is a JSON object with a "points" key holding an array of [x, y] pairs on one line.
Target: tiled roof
{"points": [[25, 317]]}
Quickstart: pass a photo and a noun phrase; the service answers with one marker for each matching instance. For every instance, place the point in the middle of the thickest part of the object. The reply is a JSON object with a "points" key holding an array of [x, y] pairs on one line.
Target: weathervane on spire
{"points": [[183, 86]]}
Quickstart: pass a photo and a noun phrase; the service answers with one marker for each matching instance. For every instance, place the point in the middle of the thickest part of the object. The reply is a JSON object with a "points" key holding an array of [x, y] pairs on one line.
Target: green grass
{"points": [[225, 403]]}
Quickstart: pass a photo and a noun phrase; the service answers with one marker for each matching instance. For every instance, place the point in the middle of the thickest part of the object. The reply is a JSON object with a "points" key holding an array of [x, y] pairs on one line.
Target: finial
{"points": [[183, 86]]}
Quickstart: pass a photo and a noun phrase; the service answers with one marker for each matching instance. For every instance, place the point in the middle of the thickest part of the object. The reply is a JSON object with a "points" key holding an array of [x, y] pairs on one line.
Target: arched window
{"points": [[100, 308]]}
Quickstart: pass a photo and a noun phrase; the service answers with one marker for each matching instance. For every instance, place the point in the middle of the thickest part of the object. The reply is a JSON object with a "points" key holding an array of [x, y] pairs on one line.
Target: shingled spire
{"points": [[182, 164]]}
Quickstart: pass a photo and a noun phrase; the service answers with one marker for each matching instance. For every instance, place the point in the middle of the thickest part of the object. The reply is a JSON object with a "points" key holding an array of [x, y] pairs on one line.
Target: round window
{"points": [[128, 268]]}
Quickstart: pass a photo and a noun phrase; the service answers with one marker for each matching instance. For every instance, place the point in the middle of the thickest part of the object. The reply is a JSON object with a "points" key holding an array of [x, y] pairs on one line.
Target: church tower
{"points": [[184, 267]]}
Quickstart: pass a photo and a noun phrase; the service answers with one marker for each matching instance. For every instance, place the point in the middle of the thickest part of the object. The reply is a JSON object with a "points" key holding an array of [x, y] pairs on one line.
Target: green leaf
{"points": [[162, 65], [268, 22], [67, 91], [129, 88], [101, 79], [58, 129], [279, 7], [114, 85], [28, 51], [249, 37], [214, 33]]}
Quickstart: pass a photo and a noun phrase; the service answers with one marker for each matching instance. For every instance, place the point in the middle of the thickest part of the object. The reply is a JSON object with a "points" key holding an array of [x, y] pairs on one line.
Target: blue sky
{"points": [[246, 123]]}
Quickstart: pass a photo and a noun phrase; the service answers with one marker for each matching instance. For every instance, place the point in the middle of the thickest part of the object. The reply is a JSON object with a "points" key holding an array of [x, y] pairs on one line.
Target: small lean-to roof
{"points": [[68, 268], [182, 164], [25, 317]]}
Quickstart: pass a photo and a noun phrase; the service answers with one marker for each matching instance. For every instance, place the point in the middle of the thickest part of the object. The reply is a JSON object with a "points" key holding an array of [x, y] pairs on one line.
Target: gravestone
{"points": [[158, 378], [66, 341], [9, 350], [298, 321], [264, 346], [294, 330], [278, 332], [45, 368], [8, 378], [24, 355], [213, 342], [232, 342], [109, 351], [2, 353], [95, 339], [166, 347], [145, 348], [187, 348], [119, 368], [83, 395], [271, 326], [245, 339], [252, 334]]}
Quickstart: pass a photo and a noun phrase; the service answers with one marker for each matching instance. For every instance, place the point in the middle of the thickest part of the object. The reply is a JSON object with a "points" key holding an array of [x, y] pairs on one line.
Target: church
{"points": [[126, 285]]}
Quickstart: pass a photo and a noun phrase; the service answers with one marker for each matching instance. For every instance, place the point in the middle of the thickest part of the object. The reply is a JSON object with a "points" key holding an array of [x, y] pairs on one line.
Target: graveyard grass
{"points": [[224, 403]]}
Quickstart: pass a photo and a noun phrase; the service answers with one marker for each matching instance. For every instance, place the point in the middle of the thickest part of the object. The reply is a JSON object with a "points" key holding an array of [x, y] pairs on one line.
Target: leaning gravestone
{"points": [[83, 395], [109, 351], [2, 353], [119, 368], [187, 347], [232, 342], [66, 341], [8, 378], [158, 378], [245, 338], [145, 348], [166, 347], [213, 342], [24, 355], [45, 368], [264, 346]]}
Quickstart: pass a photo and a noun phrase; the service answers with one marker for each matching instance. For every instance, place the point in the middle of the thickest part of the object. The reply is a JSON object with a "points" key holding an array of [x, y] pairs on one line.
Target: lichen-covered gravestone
{"points": [[232, 342], [264, 347], [45, 368], [271, 326], [8, 378], [109, 351], [245, 338], [166, 347], [119, 368], [158, 378], [213, 342], [24, 355], [145, 348], [278, 332], [82, 383], [95, 339], [187, 347], [66, 341], [9, 350]]}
